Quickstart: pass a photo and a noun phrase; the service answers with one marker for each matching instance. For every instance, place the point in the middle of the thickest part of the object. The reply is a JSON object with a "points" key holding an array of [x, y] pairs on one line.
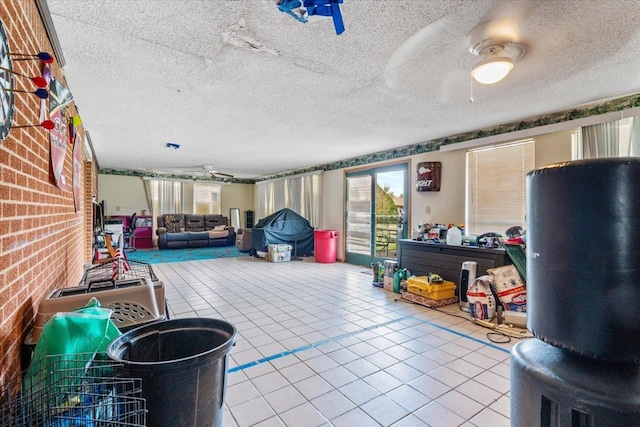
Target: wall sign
{"points": [[428, 176]]}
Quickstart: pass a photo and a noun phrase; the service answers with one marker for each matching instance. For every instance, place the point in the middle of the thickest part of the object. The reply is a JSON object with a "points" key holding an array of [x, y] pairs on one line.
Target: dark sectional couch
{"points": [[194, 231]]}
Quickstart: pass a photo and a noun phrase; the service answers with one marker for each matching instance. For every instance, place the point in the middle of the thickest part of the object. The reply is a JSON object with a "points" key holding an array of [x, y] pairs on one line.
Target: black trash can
{"points": [[183, 367]]}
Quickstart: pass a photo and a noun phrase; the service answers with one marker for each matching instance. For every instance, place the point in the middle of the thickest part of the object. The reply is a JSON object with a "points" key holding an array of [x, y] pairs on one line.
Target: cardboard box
{"points": [[279, 253], [387, 283]]}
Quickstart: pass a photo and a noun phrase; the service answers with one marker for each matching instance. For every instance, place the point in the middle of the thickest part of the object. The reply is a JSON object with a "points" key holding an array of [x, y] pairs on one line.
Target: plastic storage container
{"points": [[183, 367], [325, 245], [134, 302], [419, 285], [279, 253]]}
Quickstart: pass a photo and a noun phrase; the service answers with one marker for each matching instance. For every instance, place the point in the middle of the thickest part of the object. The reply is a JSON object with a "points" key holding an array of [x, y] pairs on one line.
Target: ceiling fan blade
{"points": [[222, 174]]}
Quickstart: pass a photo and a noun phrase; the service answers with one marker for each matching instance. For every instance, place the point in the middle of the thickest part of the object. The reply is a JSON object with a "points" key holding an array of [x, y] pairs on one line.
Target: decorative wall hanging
{"points": [[6, 80], [428, 176], [60, 97]]}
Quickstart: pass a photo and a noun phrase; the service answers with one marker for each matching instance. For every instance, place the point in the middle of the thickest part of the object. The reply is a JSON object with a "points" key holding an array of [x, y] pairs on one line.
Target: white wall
{"points": [[123, 195], [237, 196], [446, 205], [553, 148]]}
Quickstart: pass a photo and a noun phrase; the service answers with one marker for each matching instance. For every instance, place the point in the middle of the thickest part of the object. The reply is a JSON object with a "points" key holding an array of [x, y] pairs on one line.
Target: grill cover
{"points": [[283, 227]]}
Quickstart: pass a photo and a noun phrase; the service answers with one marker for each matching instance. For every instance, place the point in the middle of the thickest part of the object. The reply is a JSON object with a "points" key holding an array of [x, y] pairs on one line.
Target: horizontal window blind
{"points": [[496, 193]]}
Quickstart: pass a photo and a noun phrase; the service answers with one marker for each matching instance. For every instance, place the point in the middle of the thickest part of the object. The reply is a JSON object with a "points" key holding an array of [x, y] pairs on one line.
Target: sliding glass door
{"points": [[375, 213]]}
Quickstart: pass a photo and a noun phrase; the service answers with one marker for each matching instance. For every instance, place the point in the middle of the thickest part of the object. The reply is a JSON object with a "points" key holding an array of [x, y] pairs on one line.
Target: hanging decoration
{"points": [[302, 9], [428, 176], [74, 122], [60, 98]]}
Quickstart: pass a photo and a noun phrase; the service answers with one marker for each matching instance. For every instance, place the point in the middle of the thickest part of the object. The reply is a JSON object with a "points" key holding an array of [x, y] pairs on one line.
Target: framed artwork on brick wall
{"points": [[428, 176]]}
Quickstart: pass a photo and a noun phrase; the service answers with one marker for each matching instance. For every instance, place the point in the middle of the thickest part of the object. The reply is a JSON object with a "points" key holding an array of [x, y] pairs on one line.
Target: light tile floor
{"points": [[317, 345]]}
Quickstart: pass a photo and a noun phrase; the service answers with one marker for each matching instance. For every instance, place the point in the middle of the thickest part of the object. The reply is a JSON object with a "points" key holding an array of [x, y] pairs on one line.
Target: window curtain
{"points": [[634, 137], [300, 193], [601, 140], [166, 196]]}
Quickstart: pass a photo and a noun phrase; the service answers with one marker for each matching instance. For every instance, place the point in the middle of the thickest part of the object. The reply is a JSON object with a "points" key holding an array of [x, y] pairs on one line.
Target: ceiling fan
{"points": [[207, 170]]}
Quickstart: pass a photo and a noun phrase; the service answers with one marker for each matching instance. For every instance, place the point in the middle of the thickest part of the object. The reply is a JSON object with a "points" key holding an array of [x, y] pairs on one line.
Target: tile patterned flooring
{"points": [[317, 345]]}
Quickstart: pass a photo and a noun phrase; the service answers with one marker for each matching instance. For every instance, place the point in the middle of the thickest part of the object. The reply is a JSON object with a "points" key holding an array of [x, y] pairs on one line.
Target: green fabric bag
{"points": [[68, 345]]}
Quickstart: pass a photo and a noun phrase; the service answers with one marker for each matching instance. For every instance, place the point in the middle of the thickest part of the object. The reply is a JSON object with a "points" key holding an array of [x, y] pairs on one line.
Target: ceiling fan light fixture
{"points": [[492, 70]]}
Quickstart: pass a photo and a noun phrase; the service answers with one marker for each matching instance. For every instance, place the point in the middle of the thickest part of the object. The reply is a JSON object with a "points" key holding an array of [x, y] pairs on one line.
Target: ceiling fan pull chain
{"points": [[471, 87]]}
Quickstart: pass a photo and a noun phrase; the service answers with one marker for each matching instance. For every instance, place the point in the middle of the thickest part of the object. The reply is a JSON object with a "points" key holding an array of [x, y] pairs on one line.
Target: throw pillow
{"points": [[174, 227], [173, 223], [220, 227]]}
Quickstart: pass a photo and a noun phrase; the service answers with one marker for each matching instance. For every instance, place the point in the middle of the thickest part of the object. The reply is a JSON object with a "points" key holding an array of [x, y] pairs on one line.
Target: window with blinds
{"points": [[495, 192], [206, 198]]}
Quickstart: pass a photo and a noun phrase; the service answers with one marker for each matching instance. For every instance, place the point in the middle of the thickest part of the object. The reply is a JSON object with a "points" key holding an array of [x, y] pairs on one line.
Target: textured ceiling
{"points": [[253, 92]]}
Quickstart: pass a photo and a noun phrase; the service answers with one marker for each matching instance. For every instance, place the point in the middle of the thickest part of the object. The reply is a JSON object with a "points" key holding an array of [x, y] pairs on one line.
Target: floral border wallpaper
{"points": [[428, 146]]}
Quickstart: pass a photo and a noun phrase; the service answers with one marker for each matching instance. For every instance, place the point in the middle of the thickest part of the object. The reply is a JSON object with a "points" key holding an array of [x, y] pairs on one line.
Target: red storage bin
{"points": [[325, 245]]}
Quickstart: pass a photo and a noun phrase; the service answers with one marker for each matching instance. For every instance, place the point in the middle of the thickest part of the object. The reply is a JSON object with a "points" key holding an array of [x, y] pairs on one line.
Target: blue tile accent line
{"points": [[348, 334]]}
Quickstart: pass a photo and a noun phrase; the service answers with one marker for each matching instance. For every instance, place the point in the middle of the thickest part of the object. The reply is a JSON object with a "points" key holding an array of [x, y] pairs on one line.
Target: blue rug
{"points": [[155, 256]]}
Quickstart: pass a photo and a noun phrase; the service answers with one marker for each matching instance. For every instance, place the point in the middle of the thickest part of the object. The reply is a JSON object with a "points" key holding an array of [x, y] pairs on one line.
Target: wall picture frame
{"points": [[428, 175]]}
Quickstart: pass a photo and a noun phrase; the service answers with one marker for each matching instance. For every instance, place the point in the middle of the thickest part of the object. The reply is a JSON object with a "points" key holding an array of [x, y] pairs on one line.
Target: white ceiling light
{"points": [[492, 70], [496, 45]]}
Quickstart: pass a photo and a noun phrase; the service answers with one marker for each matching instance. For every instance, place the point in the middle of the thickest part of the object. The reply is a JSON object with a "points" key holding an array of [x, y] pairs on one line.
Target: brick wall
{"points": [[43, 241]]}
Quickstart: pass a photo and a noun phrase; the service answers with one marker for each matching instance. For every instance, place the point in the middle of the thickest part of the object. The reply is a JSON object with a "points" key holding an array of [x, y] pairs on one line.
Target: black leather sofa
{"points": [[194, 231]]}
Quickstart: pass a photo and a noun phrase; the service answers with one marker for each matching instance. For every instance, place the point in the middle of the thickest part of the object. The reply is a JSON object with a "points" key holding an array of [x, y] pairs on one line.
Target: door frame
{"points": [[404, 166]]}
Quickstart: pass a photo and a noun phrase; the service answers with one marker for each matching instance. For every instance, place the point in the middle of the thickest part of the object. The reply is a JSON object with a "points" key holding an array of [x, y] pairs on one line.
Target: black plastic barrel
{"points": [[183, 367]]}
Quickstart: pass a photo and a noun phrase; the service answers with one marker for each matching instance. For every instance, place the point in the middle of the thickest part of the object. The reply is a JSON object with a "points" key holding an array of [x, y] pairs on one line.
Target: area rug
{"points": [[156, 256]]}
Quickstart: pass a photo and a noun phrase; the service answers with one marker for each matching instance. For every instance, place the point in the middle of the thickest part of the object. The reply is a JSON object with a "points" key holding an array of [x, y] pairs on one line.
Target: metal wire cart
{"points": [[73, 390], [123, 269]]}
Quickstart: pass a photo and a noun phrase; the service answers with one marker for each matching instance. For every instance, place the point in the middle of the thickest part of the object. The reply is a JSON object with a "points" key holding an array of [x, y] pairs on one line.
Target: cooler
{"points": [[419, 285], [279, 253]]}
